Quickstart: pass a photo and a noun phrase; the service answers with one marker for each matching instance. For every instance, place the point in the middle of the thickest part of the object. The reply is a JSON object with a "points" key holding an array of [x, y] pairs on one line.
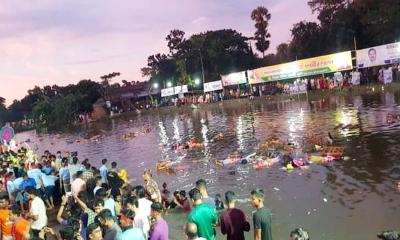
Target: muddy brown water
{"points": [[350, 199]]}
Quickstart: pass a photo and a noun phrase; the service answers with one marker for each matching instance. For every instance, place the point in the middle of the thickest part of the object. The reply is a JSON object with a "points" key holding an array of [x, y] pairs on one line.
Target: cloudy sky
{"points": [[46, 42]]}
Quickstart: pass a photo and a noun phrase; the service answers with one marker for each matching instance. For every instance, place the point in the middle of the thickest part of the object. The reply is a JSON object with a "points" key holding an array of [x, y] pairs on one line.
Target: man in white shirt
{"points": [[139, 221], [144, 210], [73, 169], [37, 211]]}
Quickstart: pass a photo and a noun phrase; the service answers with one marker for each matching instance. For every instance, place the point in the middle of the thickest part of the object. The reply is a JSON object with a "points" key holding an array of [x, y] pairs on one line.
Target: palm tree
{"points": [[261, 16]]}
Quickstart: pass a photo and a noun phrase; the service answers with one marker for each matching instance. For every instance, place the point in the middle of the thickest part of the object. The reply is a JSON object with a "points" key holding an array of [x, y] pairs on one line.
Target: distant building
{"points": [[130, 96]]}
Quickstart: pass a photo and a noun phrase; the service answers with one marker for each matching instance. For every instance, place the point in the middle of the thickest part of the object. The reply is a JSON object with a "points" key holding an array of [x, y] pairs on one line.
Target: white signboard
{"points": [[213, 86], [177, 89], [379, 55], [355, 78], [181, 89], [167, 92], [185, 89], [387, 76]]}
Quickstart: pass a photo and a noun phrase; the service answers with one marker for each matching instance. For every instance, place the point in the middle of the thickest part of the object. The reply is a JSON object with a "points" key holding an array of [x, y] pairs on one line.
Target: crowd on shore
{"points": [[102, 203], [338, 80]]}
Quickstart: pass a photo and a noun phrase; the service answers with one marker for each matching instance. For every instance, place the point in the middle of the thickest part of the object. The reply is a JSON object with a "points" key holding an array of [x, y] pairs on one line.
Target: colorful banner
{"points": [[302, 68], [6, 134], [213, 86], [166, 92], [379, 55], [234, 79]]}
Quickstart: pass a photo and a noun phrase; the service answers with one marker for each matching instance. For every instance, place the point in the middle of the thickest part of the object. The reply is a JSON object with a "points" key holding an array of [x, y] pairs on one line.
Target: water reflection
{"points": [[367, 179]]}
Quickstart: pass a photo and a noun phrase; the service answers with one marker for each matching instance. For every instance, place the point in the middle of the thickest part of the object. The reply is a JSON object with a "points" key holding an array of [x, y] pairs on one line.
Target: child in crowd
{"points": [[219, 205]]}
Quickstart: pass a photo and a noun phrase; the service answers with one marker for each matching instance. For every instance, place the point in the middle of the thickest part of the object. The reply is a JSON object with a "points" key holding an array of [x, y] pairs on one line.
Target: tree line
{"points": [[340, 24]]}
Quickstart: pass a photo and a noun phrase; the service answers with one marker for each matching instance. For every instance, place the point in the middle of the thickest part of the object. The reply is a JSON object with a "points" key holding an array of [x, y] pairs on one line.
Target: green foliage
{"points": [[222, 52], [58, 111], [55, 105], [306, 40], [174, 40]]}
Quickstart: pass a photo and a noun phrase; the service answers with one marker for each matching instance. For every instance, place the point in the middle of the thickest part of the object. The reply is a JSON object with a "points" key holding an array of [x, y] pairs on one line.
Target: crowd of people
{"points": [[102, 203]]}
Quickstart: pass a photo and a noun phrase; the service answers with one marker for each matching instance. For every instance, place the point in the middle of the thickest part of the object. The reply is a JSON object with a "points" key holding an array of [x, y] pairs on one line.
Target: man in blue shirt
{"points": [[26, 182], [129, 232]]}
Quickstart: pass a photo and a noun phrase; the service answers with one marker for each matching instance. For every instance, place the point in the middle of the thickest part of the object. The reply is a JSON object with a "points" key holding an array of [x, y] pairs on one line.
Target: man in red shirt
{"points": [[233, 221]]}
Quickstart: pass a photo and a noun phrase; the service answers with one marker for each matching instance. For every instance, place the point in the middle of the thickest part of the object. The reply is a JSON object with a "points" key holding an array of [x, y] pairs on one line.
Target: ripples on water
{"points": [[361, 196]]}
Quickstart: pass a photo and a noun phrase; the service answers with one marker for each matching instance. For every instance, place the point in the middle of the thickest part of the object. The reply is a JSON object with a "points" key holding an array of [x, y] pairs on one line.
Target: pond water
{"points": [[350, 199]]}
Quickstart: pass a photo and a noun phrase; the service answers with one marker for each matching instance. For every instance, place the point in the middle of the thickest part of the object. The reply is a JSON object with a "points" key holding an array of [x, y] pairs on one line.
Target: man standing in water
{"points": [[233, 221], [262, 216], [202, 186], [203, 215]]}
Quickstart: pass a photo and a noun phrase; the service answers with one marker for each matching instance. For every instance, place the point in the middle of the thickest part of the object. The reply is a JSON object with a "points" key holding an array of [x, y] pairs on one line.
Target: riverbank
{"points": [[270, 99]]}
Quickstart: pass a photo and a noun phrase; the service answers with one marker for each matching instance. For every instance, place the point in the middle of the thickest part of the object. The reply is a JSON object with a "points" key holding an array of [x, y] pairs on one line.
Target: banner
{"points": [[166, 92], [213, 86], [355, 78], [387, 76], [297, 88], [379, 55], [234, 79], [302, 68], [181, 89]]}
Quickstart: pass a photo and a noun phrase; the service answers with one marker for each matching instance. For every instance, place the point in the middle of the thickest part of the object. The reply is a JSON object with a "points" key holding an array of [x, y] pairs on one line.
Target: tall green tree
{"points": [[327, 9], [183, 77], [370, 22], [306, 40], [261, 16], [283, 53], [174, 40]]}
